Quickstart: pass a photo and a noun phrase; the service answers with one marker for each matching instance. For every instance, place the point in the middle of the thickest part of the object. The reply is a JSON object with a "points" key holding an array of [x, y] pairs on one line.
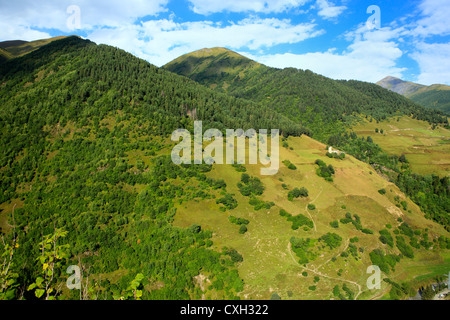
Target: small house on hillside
{"points": [[331, 150]]}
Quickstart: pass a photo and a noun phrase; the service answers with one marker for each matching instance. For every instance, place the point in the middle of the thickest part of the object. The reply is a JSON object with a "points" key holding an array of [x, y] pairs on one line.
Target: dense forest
{"points": [[115, 214]]}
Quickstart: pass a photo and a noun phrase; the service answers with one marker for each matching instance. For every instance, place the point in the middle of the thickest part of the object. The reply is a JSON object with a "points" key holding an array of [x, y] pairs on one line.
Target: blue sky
{"points": [[330, 37]]}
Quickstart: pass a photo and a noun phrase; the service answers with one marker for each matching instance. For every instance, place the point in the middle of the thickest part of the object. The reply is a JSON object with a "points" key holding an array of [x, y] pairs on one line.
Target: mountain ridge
{"points": [[435, 96], [300, 94]]}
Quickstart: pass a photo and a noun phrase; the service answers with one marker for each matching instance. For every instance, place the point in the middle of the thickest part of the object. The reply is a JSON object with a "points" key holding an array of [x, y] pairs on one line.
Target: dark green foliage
{"points": [[298, 220], [228, 201], [324, 171], [334, 224], [290, 165], [367, 231], [260, 204], [434, 99], [296, 193], [382, 191], [239, 167], [250, 186], [404, 248], [332, 240], [311, 207], [406, 230], [384, 262], [350, 101], [336, 291], [350, 293], [243, 229], [386, 238], [430, 192], [302, 248], [70, 133], [235, 256], [238, 221], [428, 293], [195, 228], [444, 242]]}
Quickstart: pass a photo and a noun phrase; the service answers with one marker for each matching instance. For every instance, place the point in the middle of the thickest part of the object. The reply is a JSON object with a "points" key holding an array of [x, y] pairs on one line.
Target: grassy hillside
{"points": [[85, 131], [426, 149], [271, 266]]}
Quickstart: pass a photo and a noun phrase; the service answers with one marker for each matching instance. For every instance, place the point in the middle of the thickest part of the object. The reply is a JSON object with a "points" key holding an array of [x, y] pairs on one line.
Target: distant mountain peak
{"points": [[211, 61], [16, 48], [436, 96]]}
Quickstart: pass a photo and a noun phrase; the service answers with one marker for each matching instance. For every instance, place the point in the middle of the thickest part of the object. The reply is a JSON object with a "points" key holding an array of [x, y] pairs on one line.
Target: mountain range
{"points": [[436, 96]]}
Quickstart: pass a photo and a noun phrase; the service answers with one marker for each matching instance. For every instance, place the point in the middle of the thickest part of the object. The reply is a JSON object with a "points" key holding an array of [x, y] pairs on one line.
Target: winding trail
{"points": [[307, 211], [324, 275]]}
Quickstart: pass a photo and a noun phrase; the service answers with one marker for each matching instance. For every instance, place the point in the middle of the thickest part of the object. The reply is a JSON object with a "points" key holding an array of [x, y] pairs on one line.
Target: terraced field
{"points": [[427, 150]]}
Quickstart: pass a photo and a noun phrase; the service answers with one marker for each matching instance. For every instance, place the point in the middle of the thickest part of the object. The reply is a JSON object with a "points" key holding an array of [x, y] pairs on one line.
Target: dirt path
{"points": [[324, 275], [307, 211]]}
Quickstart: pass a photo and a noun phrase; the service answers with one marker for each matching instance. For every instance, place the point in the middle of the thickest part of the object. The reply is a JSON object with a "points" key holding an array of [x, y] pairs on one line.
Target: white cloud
{"points": [[370, 57], [211, 6], [10, 32], [434, 62], [160, 41], [435, 20], [328, 10], [52, 14]]}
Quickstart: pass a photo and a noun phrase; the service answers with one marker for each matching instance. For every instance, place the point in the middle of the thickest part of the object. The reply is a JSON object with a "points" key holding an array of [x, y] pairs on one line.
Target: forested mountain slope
{"points": [[63, 167], [322, 104]]}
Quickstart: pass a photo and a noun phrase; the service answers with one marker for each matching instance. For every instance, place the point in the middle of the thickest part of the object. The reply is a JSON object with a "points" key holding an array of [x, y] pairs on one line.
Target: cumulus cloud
{"points": [[212, 6], [370, 57], [434, 62], [160, 41], [434, 20], [52, 14]]}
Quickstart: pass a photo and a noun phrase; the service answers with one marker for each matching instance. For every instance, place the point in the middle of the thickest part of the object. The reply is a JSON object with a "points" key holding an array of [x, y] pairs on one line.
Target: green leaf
{"points": [[39, 292], [39, 281], [139, 277], [31, 286]]}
